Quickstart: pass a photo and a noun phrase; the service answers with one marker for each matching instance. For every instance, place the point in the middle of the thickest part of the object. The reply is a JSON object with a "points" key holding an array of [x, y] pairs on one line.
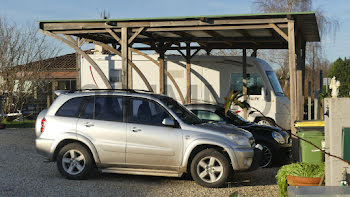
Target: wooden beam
{"points": [[193, 54], [246, 35], [115, 51], [201, 28], [215, 34], [129, 69], [195, 22], [244, 80], [81, 42], [161, 72], [166, 73], [279, 31], [169, 29], [82, 53], [188, 73], [224, 46], [125, 47], [70, 38], [292, 74], [135, 34], [114, 35]]}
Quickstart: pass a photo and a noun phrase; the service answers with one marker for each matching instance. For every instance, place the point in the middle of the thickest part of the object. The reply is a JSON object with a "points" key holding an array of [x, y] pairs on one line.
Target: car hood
{"points": [[265, 128], [222, 128]]}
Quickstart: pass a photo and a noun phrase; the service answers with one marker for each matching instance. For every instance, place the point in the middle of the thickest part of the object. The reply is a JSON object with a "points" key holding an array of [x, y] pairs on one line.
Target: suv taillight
{"points": [[43, 123]]}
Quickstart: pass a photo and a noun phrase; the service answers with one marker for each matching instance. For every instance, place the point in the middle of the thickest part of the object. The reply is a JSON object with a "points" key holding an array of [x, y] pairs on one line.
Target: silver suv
{"points": [[133, 132]]}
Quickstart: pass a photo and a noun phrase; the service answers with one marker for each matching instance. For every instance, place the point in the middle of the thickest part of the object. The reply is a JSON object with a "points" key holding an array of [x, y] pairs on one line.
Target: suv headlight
{"points": [[239, 139], [278, 137]]}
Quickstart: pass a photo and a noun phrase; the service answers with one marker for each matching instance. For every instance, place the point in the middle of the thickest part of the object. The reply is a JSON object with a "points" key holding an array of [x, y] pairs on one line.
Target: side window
{"points": [[109, 108], [88, 112], [147, 112], [254, 83], [70, 108], [207, 115]]}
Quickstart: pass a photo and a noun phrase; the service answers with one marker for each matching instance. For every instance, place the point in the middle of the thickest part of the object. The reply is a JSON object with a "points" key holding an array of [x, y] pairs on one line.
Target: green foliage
{"points": [[233, 97], [19, 124], [297, 169], [234, 194], [341, 70]]}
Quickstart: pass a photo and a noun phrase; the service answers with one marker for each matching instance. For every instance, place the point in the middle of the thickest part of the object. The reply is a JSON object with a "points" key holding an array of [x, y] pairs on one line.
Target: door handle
{"points": [[134, 129], [88, 124]]}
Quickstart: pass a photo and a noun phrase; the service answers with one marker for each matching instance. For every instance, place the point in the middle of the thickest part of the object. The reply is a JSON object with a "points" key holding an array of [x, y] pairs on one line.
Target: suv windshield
{"points": [[274, 83], [184, 114]]}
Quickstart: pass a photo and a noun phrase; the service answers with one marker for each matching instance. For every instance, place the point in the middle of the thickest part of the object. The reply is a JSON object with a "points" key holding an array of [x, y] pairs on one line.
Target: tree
{"points": [[314, 52], [19, 46], [341, 70]]}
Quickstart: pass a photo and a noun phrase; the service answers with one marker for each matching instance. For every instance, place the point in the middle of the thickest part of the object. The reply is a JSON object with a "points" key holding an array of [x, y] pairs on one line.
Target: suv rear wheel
{"points": [[74, 161], [210, 168]]}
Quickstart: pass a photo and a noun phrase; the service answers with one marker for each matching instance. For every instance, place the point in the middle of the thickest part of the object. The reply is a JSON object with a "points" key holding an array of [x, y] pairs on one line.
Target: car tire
{"points": [[265, 121], [75, 162], [210, 168], [268, 156]]}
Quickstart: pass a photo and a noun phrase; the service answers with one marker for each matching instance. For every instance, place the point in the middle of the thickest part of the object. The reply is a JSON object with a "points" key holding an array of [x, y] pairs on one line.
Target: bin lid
{"points": [[309, 123]]}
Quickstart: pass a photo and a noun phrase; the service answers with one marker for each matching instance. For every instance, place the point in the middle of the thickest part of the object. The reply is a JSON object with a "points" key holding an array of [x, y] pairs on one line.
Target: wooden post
{"points": [[129, 69], [188, 72], [124, 45], [161, 71], [78, 66], [299, 82], [309, 101], [292, 73], [244, 80]]}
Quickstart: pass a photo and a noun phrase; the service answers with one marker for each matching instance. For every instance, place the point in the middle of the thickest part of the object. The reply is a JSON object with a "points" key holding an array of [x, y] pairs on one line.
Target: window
{"points": [[275, 83], [208, 115], [183, 113], [109, 108], [254, 83], [115, 75], [147, 112], [88, 112], [70, 108]]}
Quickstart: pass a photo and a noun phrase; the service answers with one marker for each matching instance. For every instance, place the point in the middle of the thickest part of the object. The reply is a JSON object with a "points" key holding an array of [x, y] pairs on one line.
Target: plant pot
{"points": [[302, 181]]}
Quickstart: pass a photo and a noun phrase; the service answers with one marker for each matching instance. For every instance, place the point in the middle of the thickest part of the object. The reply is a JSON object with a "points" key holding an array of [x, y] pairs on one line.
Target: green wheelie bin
{"points": [[313, 131]]}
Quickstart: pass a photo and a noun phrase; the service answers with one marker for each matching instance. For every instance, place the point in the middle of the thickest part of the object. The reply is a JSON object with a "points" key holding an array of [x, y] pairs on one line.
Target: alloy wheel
{"points": [[73, 162], [210, 169]]}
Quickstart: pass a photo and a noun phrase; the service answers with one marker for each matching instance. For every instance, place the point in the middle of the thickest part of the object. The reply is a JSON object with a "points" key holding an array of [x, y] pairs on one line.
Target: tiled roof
{"points": [[64, 62]]}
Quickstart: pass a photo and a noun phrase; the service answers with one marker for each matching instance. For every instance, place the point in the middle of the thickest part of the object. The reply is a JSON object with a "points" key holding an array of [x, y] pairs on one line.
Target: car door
{"points": [[149, 143], [102, 122]]}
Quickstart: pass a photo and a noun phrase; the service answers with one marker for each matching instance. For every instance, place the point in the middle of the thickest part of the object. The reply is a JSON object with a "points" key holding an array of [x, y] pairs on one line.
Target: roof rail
{"points": [[125, 90], [59, 92]]}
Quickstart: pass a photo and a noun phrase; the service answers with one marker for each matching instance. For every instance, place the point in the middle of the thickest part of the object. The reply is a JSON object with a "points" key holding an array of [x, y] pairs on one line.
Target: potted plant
{"points": [[299, 174]]}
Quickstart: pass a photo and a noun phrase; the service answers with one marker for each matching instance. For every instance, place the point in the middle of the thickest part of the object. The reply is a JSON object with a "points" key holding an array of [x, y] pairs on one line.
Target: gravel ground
{"points": [[24, 173]]}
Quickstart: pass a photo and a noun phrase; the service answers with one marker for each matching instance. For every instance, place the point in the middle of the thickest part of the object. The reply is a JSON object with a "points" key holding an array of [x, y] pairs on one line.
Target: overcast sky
{"points": [[30, 11]]}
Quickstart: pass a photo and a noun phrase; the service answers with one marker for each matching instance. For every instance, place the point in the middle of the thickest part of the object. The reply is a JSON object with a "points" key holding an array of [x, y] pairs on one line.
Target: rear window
{"points": [[70, 108]]}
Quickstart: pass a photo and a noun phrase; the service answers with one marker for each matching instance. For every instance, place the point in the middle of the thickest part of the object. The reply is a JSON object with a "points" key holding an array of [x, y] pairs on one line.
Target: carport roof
{"points": [[256, 31]]}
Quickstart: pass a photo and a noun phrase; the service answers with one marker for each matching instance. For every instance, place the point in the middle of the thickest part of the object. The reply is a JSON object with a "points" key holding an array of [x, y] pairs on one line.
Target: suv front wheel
{"points": [[210, 168], [74, 161]]}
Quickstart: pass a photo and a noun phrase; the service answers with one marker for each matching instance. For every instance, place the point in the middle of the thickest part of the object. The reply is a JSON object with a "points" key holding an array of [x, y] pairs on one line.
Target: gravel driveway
{"points": [[24, 173]]}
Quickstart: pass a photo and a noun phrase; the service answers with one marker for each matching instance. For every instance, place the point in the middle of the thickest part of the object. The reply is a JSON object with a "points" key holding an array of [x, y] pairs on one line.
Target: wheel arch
{"points": [[87, 144], [195, 148]]}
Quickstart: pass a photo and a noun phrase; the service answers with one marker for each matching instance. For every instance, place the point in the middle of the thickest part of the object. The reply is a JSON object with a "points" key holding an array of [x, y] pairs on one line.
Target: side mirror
{"points": [[169, 122]]}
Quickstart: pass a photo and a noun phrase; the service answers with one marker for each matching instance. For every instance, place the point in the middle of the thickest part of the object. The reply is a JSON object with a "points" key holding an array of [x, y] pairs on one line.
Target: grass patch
{"points": [[19, 124]]}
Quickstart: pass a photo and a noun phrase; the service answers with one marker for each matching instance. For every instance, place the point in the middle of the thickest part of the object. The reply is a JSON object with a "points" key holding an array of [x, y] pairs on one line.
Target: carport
{"points": [[189, 35]]}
